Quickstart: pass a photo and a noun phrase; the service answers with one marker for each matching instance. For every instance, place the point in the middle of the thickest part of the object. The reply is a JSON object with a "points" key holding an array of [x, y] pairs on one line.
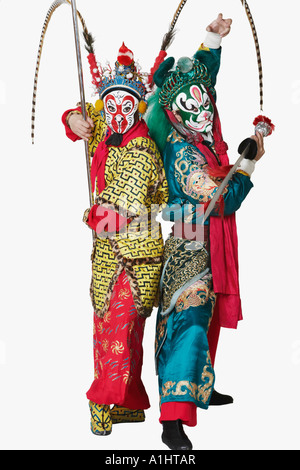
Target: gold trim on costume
{"points": [[200, 393]]}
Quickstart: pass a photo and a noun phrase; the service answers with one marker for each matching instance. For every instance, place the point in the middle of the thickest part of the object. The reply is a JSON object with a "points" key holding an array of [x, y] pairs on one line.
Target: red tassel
{"points": [[159, 60], [266, 120], [94, 70]]}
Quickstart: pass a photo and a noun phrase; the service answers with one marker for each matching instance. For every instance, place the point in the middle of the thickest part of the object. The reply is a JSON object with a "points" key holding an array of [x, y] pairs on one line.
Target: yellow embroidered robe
{"points": [[136, 187]]}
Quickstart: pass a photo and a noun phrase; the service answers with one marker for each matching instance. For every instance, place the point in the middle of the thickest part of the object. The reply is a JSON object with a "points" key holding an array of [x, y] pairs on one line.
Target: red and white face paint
{"points": [[120, 107]]}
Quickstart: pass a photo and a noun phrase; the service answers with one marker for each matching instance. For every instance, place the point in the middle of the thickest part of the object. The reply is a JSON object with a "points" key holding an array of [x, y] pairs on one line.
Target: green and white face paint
{"points": [[194, 108]]}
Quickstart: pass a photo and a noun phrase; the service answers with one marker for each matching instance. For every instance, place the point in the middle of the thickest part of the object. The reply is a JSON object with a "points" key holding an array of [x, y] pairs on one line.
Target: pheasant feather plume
{"points": [[89, 44]]}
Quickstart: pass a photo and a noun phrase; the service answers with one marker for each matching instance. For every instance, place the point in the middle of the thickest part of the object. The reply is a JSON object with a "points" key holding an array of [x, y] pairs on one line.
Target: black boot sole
{"points": [[172, 445]]}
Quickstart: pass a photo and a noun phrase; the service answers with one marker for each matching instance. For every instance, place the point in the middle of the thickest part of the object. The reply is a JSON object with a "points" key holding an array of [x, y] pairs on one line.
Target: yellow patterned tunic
{"points": [[135, 187]]}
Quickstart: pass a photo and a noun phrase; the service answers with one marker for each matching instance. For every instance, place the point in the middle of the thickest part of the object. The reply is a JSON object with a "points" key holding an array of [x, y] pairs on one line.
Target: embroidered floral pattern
{"points": [[199, 392], [183, 264], [197, 294], [191, 174], [118, 345]]}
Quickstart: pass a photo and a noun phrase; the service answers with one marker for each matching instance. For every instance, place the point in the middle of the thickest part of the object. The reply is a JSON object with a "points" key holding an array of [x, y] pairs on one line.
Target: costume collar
{"points": [[140, 129]]}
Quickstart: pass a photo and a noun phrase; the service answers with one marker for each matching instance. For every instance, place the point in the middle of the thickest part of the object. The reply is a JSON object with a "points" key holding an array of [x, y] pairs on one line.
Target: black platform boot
{"points": [[217, 399], [174, 436]]}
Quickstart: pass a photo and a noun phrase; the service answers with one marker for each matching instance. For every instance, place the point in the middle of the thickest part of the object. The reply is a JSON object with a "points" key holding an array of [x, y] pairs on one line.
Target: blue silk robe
{"points": [[187, 297]]}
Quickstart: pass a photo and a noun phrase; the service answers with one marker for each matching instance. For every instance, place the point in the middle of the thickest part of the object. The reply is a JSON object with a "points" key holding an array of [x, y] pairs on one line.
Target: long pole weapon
{"points": [[82, 94], [224, 183]]}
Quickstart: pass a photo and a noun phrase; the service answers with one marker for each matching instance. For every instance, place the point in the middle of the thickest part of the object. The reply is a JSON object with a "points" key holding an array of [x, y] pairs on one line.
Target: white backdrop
{"points": [[46, 363]]}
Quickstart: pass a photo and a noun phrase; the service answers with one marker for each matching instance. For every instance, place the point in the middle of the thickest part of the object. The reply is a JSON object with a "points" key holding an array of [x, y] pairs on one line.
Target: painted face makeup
{"points": [[120, 107], [195, 108]]}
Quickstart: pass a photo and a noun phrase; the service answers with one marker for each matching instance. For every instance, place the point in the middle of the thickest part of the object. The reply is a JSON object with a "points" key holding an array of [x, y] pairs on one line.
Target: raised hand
{"points": [[220, 26]]}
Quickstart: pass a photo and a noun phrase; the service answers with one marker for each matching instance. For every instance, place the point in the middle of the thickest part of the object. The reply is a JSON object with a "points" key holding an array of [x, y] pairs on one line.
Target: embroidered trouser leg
{"points": [[186, 376], [118, 352]]}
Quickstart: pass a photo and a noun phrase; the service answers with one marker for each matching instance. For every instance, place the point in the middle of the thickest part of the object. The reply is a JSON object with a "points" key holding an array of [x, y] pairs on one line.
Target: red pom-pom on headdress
{"points": [[125, 56]]}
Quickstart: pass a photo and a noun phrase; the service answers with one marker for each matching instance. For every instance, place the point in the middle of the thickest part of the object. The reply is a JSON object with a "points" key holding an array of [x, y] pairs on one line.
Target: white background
{"points": [[46, 363]]}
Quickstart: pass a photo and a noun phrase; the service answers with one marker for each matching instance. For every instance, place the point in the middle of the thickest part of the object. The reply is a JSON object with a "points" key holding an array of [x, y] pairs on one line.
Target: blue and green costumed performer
{"points": [[199, 284]]}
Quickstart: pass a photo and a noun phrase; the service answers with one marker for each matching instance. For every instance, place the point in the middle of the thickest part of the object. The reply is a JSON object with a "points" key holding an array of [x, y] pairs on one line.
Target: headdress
{"points": [[125, 75], [187, 72], [103, 77]]}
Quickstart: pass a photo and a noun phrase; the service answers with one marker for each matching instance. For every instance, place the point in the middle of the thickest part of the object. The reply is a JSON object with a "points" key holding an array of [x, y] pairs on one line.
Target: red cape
{"points": [[223, 244]]}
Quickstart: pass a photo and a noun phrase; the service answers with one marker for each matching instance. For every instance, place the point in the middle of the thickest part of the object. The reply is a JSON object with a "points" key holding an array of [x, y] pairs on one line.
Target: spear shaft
{"points": [[82, 95], [224, 183]]}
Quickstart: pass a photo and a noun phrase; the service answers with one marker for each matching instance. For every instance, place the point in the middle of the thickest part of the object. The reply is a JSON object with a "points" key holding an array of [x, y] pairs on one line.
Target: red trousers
{"points": [[118, 352]]}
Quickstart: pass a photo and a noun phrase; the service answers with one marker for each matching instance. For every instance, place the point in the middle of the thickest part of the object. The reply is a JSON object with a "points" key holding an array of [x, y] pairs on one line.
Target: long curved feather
{"points": [[50, 12], [258, 54], [169, 36], [89, 43], [167, 40]]}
